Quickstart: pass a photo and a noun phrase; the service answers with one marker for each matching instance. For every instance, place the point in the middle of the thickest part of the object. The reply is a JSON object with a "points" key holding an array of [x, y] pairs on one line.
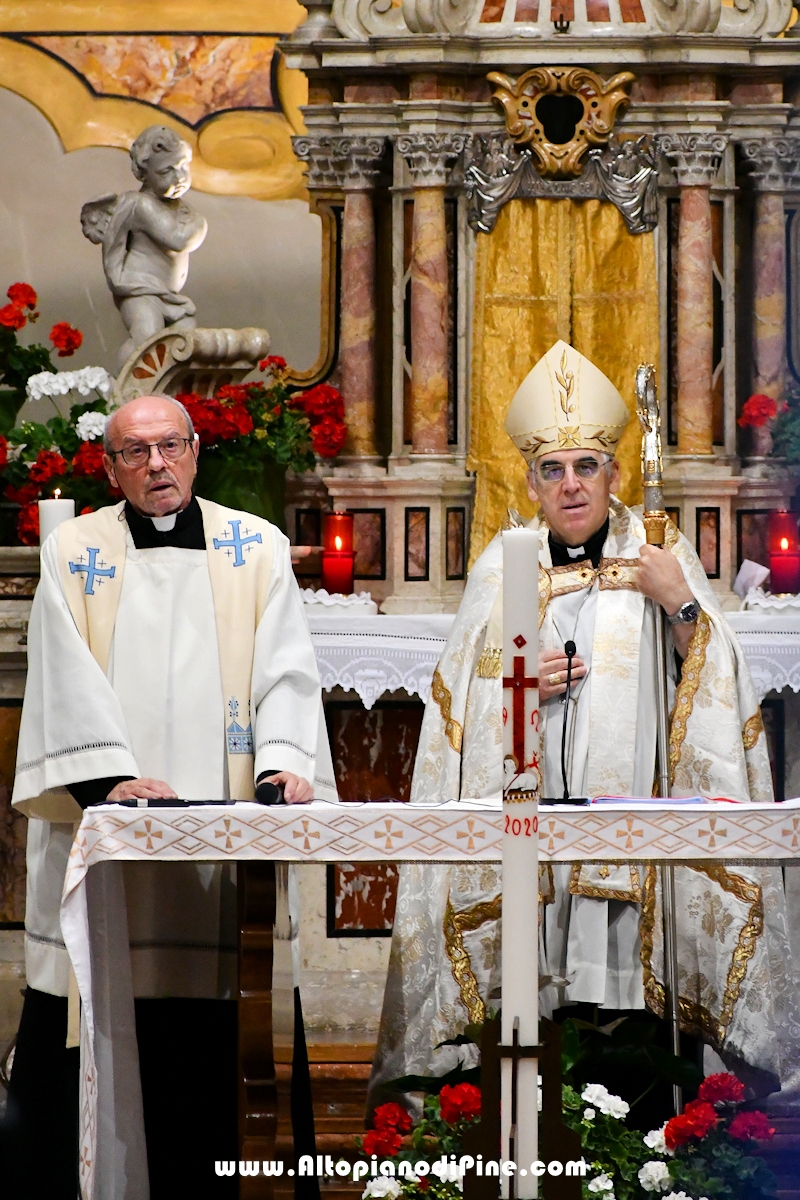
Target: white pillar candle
{"points": [[52, 513], [521, 790]]}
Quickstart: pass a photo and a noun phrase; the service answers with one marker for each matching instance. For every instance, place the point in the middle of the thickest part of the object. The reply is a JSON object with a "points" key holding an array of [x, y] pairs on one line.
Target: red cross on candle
{"points": [[519, 683]]}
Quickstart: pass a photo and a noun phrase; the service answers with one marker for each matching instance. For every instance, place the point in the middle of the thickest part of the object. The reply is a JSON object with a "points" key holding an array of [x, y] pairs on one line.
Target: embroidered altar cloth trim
{"points": [[401, 651], [450, 832]]}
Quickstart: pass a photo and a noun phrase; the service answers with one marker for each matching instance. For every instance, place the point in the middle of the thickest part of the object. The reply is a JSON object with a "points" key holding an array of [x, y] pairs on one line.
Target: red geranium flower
{"points": [[22, 495], [273, 363], [328, 437], [28, 525], [65, 339], [214, 421], [233, 391], [89, 460], [697, 1118], [3, 453], [721, 1089], [392, 1116], [423, 1183], [460, 1103], [320, 402], [48, 464], [757, 411], [87, 508], [12, 316], [22, 295], [747, 1125], [382, 1142]]}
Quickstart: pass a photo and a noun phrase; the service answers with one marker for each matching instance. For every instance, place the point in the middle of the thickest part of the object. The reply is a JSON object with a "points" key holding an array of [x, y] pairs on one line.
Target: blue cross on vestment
{"points": [[93, 569], [237, 541]]}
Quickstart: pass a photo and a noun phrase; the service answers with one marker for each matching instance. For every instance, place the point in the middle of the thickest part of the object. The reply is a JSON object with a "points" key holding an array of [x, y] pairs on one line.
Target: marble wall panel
{"points": [[189, 76]]}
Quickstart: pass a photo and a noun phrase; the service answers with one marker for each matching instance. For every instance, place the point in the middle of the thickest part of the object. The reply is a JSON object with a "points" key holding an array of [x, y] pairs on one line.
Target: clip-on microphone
{"points": [[570, 649]]}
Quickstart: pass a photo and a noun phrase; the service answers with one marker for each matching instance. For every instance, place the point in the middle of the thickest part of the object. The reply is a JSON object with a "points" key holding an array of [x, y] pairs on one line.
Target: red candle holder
{"points": [[337, 571], [784, 552]]}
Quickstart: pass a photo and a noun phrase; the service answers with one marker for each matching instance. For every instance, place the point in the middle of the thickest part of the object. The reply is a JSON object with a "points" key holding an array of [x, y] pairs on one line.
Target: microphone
{"points": [[570, 649]]}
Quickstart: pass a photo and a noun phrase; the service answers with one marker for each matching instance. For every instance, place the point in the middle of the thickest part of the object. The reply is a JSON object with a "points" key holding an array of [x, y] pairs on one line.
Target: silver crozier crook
{"points": [[655, 524]]}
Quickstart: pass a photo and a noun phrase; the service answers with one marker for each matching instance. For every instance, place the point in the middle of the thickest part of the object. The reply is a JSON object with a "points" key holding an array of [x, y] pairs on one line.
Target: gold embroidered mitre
{"points": [[565, 403]]}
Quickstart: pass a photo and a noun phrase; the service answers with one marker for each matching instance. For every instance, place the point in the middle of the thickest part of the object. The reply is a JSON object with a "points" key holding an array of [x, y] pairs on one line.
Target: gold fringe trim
{"points": [[752, 730], [490, 663], [694, 1018], [454, 926], [444, 699], [693, 666]]}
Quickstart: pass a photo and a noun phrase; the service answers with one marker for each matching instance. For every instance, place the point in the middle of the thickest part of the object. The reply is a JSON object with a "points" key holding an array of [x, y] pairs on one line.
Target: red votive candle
{"points": [[338, 532], [784, 552], [337, 571]]}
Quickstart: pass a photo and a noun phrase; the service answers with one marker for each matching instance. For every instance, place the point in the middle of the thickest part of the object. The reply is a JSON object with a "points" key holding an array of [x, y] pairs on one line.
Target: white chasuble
{"points": [[189, 666], [600, 923]]}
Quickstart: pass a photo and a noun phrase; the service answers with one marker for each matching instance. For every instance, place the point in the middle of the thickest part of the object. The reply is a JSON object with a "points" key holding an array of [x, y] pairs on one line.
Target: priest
{"points": [[168, 656], [601, 923]]}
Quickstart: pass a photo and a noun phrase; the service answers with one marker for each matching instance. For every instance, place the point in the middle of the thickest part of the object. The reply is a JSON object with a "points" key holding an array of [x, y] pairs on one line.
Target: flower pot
{"points": [[258, 488]]}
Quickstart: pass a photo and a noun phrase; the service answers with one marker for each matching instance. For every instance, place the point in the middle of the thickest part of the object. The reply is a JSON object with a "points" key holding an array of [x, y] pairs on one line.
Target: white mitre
{"points": [[565, 403]]}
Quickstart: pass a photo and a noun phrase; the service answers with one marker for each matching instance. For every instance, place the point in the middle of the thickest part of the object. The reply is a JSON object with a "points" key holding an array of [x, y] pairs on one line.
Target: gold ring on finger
{"points": [[555, 679]]}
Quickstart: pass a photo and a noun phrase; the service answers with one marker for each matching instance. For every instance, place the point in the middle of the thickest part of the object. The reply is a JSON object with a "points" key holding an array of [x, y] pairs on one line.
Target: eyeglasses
{"points": [[137, 454], [584, 468]]}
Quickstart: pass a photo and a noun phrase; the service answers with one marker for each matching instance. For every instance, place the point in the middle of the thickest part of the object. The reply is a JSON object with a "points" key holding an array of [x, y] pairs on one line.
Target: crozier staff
{"points": [[595, 572], [168, 656]]}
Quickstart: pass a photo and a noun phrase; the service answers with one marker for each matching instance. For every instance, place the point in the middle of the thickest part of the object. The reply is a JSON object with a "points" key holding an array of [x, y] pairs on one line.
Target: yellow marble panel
{"points": [[239, 153], [150, 16], [192, 77]]}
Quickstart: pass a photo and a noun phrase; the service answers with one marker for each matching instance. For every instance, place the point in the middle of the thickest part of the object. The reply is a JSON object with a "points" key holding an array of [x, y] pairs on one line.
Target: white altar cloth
{"points": [[371, 655], [320, 832]]}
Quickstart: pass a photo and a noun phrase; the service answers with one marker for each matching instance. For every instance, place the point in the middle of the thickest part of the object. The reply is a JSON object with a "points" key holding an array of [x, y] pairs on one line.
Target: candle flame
{"points": [[57, 494], [337, 541], [784, 543]]}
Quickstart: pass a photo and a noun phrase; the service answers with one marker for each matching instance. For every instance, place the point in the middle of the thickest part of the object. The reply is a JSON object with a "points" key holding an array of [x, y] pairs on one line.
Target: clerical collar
{"points": [[186, 533], [565, 556]]}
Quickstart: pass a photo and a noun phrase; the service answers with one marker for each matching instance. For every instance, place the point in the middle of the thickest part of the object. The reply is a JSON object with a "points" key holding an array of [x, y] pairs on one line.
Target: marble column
{"points": [[765, 160], [695, 159], [429, 157], [352, 164]]}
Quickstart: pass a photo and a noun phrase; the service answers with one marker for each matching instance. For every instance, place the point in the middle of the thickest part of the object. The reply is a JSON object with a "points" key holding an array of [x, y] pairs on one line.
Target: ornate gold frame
{"points": [[601, 99]]}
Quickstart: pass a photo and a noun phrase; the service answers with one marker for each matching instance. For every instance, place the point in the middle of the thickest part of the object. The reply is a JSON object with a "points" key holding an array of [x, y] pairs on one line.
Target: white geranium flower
{"points": [[678, 1196], [60, 383], [15, 452], [654, 1140], [654, 1176], [90, 425], [599, 1097], [589, 1114], [603, 1185], [382, 1187]]}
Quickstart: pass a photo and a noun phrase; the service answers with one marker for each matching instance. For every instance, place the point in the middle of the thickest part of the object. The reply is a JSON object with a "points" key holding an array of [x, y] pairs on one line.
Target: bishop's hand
{"points": [[553, 673], [296, 790], [661, 578], [142, 789]]}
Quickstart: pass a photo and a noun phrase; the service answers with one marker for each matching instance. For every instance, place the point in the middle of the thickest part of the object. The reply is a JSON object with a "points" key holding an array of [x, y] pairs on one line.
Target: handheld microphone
{"points": [[570, 649]]}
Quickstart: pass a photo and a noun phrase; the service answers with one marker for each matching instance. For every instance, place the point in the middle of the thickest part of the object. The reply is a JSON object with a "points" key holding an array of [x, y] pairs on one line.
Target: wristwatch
{"points": [[687, 614]]}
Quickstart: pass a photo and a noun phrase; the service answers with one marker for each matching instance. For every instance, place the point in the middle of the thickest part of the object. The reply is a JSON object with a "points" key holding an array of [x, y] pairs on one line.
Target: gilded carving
{"points": [[601, 100]]}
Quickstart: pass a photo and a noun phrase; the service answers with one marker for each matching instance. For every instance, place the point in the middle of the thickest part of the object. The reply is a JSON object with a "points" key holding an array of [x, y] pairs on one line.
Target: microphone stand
{"points": [[570, 650], [655, 524]]}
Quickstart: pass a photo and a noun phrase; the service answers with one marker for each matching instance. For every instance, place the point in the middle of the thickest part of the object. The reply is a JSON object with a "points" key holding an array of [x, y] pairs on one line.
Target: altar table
{"points": [[258, 838]]}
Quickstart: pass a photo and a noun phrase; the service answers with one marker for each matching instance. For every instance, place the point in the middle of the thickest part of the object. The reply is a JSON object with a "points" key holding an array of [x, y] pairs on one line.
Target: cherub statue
{"points": [[147, 237]]}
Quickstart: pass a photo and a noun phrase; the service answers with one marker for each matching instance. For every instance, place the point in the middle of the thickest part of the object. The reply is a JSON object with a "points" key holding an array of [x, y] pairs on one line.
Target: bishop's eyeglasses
{"points": [[137, 454], [584, 468]]}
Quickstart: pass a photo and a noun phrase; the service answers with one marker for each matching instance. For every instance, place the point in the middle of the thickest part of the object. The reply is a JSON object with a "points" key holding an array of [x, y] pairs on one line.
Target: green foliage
{"points": [[433, 1084], [721, 1169], [608, 1144], [17, 364]]}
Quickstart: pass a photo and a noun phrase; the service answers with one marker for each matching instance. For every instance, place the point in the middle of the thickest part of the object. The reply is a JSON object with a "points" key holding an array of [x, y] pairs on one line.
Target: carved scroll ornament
{"points": [[520, 101]]}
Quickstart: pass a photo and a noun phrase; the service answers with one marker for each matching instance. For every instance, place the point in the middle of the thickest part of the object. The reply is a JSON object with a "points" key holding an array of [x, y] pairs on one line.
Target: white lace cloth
{"points": [[771, 646], [373, 655], [386, 653]]}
